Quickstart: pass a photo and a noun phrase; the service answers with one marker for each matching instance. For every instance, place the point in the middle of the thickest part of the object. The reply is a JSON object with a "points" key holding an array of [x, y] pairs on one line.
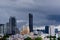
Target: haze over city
{"points": [[45, 12], [29, 19]]}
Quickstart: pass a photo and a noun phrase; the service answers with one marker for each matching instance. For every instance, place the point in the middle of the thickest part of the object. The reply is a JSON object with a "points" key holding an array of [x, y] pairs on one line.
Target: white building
{"points": [[52, 30], [16, 37]]}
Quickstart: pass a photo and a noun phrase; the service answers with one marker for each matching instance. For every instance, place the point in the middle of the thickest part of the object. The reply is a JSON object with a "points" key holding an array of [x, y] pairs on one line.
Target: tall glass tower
{"points": [[31, 22], [12, 24]]}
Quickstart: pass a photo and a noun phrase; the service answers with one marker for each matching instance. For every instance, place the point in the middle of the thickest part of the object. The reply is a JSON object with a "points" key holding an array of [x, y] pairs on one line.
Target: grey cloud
{"points": [[44, 11], [54, 17]]}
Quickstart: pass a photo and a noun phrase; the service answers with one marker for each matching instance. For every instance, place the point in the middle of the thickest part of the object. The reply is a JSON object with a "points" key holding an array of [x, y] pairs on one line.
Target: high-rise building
{"points": [[1, 28], [8, 28], [31, 22], [52, 30], [5, 29], [47, 29], [12, 24]]}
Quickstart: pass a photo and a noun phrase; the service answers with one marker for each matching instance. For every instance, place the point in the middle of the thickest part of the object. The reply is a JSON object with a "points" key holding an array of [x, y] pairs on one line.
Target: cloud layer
{"points": [[45, 12]]}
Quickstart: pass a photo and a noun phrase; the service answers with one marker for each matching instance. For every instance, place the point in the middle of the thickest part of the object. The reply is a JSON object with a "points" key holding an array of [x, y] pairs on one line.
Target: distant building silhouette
{"points": [[12, 24], [56, 30], [31, 22], [43, 31], [8, 28], [1, 28], [47, 29], [5, 29]]}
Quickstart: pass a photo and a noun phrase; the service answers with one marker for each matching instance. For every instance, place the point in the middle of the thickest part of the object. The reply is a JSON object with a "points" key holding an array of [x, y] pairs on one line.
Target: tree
{"points": [[4, 37], [28, 38], [54, 37], [38, 38], [58, 38]]}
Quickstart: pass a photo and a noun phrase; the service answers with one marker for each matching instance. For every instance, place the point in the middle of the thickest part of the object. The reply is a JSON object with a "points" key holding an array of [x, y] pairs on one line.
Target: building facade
{"points": [[47, 29], [12, 24], [52, 30], [31, 22], [1, 28]]}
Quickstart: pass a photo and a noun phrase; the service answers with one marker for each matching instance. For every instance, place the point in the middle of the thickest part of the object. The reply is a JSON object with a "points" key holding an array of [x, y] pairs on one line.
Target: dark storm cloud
{"points": [[54, 17], [44, 11]]}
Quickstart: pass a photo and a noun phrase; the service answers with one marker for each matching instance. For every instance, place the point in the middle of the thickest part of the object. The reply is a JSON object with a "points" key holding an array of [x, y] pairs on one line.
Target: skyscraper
{"points": [[12, 24], [47, 29], [31, 22]]}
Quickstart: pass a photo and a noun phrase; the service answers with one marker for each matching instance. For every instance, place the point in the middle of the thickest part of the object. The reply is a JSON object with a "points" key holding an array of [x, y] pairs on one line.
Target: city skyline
{"points": [[44, 12], [30, 19]]}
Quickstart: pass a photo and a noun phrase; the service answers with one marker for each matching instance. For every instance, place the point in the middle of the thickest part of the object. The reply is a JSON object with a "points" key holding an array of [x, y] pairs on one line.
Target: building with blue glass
{"points": [[31, 22], [47, 29]]}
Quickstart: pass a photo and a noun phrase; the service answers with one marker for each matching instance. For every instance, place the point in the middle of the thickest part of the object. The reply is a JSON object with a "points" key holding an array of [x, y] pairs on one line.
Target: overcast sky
{"points": [[45, 12]]}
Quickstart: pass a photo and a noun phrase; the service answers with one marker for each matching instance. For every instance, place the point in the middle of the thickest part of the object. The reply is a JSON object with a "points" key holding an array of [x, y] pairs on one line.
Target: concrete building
{"points": [[5, 29], [16, 37], [12, 24], [52, 30], [1, 28], [10, 27]]}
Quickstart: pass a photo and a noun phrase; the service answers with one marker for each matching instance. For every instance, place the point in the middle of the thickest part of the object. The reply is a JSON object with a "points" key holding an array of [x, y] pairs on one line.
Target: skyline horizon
{"points": [[44, 12]]}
